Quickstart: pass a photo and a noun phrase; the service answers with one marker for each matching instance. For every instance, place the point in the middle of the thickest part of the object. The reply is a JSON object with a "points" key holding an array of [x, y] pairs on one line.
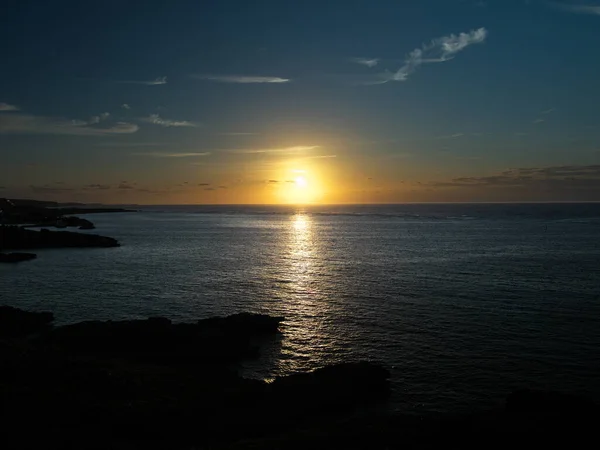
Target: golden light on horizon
{"points": [[300, 189], [301, 182]]}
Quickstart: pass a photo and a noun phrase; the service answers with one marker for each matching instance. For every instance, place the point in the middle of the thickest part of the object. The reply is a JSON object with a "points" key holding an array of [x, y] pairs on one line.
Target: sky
{"points": [[313, 101]]}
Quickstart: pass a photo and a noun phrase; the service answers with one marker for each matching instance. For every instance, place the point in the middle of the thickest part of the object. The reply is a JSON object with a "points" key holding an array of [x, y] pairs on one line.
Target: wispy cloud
{"points": [[125, 185], [50, 189], [99, 118], [97, 187], [125, 106], [538, 121], [241, 79], [321, 156], [8, 107], [451, 136], [438, 50], [157, 120], [579, 9], [238, 134], [295, 149], [155, 82], [369, 62], [566, 177], [130, 144], [173, 155], [548, 111], [29, 124]]}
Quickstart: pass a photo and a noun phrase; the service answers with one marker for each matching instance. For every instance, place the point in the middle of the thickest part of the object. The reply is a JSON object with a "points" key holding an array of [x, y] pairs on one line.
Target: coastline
{"points": [[155, 384]]}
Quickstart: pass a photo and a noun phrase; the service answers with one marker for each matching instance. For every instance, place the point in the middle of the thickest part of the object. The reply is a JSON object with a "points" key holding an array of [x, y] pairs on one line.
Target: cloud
{"points": [[157, 120], [273, 181], [49, 189], [241, 79], [210, 189], [125, 106], [320, 156], [539, 120], [97, 119], [294, 149], [28, 124], [125, 185], [130, 144], [238, 134], [579, 9], [438, 50], [8, 107], [203, 184], [548, 111], [222, 187], [451, 136], [173, 155], [101, 187], [369, 62], [155, 82], [563, 177]]}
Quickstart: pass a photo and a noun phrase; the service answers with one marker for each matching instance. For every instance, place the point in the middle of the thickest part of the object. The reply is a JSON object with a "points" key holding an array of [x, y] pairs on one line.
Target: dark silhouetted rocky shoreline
{"points": [[153, 384], [19, 238]]}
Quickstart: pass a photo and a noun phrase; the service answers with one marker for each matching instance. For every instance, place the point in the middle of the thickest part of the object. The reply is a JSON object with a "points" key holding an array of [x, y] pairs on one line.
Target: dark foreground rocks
{"points": [[16, 257], [16, 323], [155, 384], [14, 237]]}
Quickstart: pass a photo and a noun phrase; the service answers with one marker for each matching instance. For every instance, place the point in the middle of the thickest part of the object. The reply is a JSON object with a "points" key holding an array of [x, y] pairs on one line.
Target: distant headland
{"points": [[17, 215]]}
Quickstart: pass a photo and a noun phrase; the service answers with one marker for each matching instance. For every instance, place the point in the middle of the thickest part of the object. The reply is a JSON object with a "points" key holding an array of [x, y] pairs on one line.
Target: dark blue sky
{"points": [[371, 101]]}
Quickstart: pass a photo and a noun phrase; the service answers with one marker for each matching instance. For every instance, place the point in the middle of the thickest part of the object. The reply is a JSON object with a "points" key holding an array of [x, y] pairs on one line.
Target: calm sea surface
{"points": [[463, 302]]}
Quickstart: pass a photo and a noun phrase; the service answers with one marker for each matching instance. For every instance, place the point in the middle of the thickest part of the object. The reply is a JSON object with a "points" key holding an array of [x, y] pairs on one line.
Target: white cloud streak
{"points": [[578, 9], [156, 82], [29, 124], [241, 79], [438, 50], [8, 107], [125, 106], [295, 149], [369, 62], [173, 155], [157, 120]]}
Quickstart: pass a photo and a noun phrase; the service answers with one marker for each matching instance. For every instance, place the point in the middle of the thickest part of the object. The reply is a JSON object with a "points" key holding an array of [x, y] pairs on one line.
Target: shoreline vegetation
{"points": [[19, 215], [153, 384]]}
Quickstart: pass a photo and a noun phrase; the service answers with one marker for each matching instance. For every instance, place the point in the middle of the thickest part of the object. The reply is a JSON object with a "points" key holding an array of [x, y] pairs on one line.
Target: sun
{"points": [[301, 182], [302, 187]]}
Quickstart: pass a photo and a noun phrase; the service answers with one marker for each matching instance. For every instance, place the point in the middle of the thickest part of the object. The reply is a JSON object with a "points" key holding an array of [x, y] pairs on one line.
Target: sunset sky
{"points": [[358, 101]]}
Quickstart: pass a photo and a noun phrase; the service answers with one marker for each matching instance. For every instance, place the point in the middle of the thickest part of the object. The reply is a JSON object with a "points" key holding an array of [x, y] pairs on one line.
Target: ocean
{"points": [[463, 302]]}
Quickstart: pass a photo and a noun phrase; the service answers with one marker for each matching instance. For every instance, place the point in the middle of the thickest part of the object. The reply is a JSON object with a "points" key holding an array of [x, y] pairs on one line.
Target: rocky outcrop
{"points": [[15, 322], [16, 257], [13, 237], [339, 386], [155, 384], [159, 341]]}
